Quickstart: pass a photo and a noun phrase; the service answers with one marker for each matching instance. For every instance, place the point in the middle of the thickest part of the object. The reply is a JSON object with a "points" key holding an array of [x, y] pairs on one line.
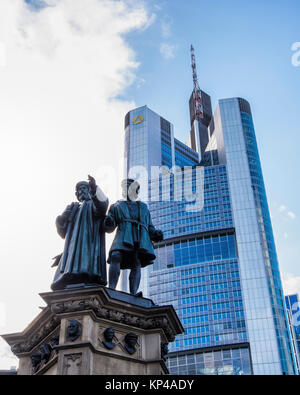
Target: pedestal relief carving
{"points": [[72, 364], [33, 340], [114, 315], [119, 341], [74, 330], [44, 354], [102, 331], [109, 338], [131, 343]]}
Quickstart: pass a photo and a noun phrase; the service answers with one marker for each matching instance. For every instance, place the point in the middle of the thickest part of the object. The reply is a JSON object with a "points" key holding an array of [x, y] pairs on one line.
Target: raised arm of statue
{"points": [[100, 200], [100, 203]]}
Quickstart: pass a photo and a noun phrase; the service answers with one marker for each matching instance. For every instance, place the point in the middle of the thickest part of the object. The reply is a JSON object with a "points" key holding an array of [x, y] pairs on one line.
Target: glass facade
{"points": [[268, 244], [197, 271], [217, 264], [184, 156], [293, 310], [142, 148], [175, 217], [265, 313], [203, 283], [226, 361]]}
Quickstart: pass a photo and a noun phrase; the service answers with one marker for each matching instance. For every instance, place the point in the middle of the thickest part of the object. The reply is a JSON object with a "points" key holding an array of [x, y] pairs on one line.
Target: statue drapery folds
{"points": [[83, 260]]}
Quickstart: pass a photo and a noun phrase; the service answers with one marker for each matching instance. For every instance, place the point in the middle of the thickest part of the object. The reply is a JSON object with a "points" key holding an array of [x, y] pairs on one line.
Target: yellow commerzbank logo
{"points": [[138, 119]]}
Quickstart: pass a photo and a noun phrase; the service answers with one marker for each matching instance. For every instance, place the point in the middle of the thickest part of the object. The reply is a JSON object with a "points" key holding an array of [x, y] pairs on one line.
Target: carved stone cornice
{"points": [[113, 305], [134, 320], [38, 337], [104, 303]]}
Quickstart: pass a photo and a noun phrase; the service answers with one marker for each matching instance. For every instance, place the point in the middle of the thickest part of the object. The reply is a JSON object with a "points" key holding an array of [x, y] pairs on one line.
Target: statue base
{"points": [[96, 331]]}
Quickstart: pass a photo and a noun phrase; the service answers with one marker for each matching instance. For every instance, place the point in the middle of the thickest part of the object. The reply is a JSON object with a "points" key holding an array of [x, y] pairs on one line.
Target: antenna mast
{"points": [[198, 105]]}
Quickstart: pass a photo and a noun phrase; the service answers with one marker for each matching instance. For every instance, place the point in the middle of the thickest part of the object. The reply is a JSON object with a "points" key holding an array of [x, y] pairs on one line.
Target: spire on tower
{"points": [[197, 96]]}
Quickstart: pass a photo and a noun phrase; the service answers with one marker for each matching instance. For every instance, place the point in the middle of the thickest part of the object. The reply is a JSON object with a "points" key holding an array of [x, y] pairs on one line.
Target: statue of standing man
{"points": [[83, 260], [132, 247]]}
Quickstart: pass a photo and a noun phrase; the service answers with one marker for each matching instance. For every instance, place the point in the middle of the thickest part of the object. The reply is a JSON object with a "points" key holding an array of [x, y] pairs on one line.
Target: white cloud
{"points": [[158, 7], [7, 358], [282, 208], [60, 120], [140, 82], [3, 314], [291, 215], [2, 56], [285, 212], [291, 283], [168, 51], [150, 21], [166, 25]]}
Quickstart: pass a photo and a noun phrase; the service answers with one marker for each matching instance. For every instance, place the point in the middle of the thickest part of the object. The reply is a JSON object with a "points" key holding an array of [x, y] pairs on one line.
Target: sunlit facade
{"points": [[293, 311], [217, 264]]}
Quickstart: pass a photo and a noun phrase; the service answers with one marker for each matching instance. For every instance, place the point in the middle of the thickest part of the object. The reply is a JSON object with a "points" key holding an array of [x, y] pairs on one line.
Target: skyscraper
{"points": [[218, 264], [293, 311]]}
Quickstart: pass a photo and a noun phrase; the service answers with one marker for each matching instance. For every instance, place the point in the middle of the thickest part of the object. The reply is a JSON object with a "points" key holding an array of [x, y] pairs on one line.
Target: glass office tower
{"points": [[217, 265], [293, 310]]}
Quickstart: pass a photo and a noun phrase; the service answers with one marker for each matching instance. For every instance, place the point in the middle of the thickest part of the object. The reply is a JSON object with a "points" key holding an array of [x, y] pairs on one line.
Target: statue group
{"points": [[83, 225]]}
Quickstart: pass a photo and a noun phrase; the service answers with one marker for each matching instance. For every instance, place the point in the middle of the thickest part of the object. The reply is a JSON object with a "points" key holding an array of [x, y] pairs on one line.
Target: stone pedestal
{"points": [[69, 336]]}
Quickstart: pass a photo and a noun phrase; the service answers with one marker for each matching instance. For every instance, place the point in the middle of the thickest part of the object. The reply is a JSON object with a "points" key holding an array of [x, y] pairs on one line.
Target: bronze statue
{"points": [[109, 335], [36, 360], [45, 351], [73, 330], [83, 260], [132, 247], [130, 342], [164, 351]]}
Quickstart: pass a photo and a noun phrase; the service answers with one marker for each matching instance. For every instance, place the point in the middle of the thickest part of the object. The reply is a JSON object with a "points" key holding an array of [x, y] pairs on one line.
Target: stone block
{"points": [[95, 331]]}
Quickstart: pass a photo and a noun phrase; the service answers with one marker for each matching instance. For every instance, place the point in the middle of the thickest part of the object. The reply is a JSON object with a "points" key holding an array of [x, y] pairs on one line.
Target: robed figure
{"points": [[83, 260], [132, 247]]}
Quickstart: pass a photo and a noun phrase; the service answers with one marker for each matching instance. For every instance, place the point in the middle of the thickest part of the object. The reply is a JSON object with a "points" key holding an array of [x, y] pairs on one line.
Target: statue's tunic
{"points": [[133, 208], [83, 259], [134, 229]]}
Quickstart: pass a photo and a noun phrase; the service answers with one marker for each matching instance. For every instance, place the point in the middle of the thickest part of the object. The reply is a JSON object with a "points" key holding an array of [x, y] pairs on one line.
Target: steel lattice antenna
{"points": [[197, 97]]}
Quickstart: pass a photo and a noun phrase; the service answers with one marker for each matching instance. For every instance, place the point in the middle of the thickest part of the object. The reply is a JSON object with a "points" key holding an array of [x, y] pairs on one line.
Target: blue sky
{"points": [[242, 49], [69, 74]]}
